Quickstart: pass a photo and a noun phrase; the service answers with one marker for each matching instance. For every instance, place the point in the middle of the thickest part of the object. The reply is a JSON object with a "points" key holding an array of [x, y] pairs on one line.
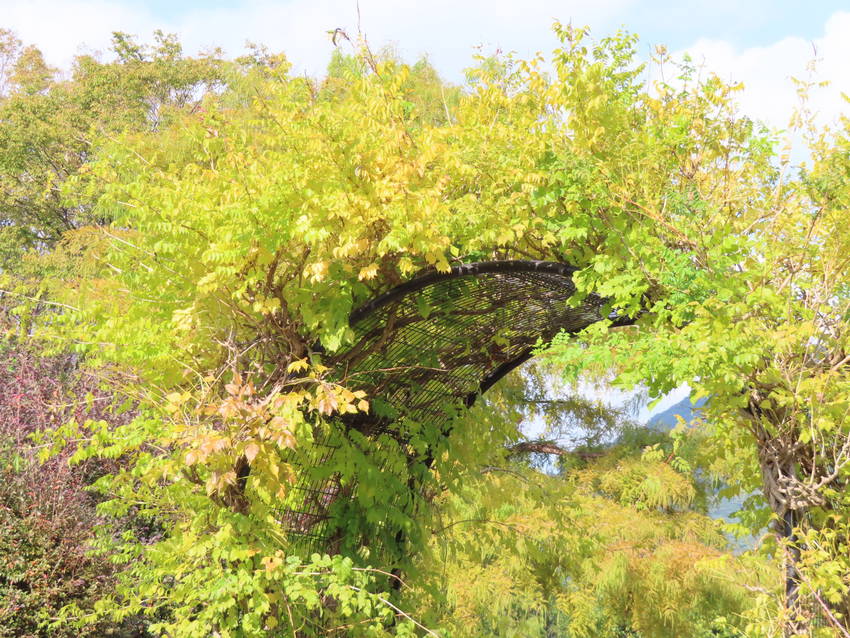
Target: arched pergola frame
{"points": [[425, 351]]}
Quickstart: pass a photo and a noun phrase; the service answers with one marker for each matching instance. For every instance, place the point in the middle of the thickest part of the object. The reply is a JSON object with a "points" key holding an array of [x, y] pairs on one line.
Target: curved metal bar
{"points": [[463, 270], [456, 333], [496, 375]]}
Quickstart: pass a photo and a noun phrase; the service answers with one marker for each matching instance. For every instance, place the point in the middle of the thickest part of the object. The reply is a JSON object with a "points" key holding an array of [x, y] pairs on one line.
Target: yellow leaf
{"points": [[297, 366], [405, 265], [251, 451], [368, 272], [175, 400], [228, 478], [318, 271], [271, 562], [279, 423]]}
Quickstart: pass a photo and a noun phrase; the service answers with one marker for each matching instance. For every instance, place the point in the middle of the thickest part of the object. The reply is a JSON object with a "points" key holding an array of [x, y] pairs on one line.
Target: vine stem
{"points": [[399, 611], [832, 619]]}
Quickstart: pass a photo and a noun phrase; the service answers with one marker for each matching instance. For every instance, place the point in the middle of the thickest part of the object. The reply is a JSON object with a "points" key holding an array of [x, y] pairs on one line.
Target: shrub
{"points": [[46, 513]]}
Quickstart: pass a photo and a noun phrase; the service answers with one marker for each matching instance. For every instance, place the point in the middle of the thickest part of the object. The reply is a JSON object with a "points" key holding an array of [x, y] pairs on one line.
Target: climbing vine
{"points": [[225, 251]]}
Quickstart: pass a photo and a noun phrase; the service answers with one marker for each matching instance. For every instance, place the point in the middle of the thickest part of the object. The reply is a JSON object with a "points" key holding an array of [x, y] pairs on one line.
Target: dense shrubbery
{"points": [[47, 515]]}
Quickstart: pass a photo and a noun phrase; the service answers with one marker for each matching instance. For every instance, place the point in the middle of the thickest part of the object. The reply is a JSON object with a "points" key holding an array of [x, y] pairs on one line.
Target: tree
{"points": [[48, 125], [47, 516], [244, 233], [751, 313], [615, 544]]}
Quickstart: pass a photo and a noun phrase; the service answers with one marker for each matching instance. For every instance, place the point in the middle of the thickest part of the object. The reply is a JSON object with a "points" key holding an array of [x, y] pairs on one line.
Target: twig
{"points": [[36, 299], [399, 611], [475, 520]]}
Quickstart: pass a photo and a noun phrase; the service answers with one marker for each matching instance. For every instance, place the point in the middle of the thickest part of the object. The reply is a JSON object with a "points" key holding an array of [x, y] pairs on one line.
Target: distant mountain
{"points": [[665, 421], [720, 508]]}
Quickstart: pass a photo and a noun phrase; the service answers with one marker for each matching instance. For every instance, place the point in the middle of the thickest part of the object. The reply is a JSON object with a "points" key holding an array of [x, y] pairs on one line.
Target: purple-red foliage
{"points": [[46, 514]]}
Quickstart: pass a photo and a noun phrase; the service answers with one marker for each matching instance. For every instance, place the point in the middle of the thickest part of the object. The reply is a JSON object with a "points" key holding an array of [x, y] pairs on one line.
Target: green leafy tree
{"points": [[615, 544], [48, 125], [749, 308], [244, 232]]}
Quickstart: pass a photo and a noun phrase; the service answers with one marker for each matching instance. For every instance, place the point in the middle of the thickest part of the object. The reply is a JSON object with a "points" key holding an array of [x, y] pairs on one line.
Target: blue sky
{"points": [[743, 23]]}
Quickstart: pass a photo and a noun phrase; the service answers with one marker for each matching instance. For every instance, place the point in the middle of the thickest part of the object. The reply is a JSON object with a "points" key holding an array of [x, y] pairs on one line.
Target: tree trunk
{"points": [[795, 622]]}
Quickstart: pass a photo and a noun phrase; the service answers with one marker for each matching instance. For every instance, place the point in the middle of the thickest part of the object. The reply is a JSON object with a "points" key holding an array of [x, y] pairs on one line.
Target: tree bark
{"points": [[795, 623]]}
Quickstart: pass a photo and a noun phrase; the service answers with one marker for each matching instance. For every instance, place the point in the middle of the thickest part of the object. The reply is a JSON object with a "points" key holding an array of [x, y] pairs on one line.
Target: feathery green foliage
{"points": [[234, 237]]}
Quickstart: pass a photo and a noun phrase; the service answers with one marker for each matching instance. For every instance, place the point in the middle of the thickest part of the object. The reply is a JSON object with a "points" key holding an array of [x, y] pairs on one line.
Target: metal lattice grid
{"points": [[424, 351]]}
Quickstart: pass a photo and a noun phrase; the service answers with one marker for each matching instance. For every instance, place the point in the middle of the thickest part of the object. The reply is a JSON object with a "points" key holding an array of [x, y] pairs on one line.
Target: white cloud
{"points": [[63, 28], [766, 72]]}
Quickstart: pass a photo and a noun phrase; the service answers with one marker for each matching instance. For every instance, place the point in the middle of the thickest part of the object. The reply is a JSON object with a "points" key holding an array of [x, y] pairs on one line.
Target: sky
{"points": [[759, 42]]}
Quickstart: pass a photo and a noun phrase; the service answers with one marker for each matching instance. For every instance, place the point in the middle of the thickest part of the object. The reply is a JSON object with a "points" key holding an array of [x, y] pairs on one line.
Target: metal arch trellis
{"points": [[425, 350]]}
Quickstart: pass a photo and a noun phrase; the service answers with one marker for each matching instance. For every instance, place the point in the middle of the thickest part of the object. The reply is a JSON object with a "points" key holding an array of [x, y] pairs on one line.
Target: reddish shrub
{"points": [[46, 514]]}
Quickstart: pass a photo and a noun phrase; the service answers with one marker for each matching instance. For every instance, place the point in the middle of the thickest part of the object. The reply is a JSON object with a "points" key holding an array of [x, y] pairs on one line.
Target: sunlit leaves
{"points": [[244, 232]]}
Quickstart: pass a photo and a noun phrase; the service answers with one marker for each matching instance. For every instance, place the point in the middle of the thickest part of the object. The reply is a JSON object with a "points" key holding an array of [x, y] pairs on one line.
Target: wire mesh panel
{"points": [[424, 351]]}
